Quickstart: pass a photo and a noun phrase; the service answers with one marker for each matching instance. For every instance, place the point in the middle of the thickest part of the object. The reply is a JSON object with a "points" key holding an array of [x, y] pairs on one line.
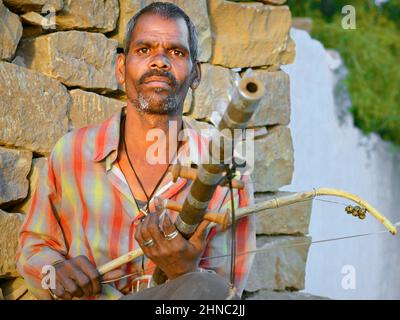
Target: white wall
{"points": [[329, 153]]}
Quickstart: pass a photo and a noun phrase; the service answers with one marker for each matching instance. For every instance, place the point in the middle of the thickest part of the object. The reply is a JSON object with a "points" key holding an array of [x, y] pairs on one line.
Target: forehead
{"points": [[156, 28]]}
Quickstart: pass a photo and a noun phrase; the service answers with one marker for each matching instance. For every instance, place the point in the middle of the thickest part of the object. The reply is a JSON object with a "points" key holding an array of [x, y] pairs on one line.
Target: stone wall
{"points": [[56, 78]]}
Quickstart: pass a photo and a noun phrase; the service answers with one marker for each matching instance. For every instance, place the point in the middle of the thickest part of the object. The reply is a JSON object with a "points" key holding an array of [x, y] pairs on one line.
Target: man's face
{"points": [[158, 68]]}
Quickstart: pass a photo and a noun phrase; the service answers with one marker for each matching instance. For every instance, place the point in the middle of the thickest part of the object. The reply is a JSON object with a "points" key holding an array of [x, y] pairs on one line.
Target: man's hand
{"points": [[78, 277], [177, 256]]}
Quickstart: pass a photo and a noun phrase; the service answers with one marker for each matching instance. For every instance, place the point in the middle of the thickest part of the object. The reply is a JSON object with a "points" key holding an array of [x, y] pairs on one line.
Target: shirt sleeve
{"points": [[217, 255], [41, 240]]}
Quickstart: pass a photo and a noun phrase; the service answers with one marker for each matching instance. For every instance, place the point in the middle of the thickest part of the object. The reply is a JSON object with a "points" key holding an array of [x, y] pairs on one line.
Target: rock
{"points": [[14, 289], [10, 32], [14, 168], [274, 163], [27, 296], [36, 24], [89, 108], [34, 5], [289, 220], [276, 2], [280, 265], [249, 34], [10, 224], [289, 54], [38, 164], [90, 15], [213, 92], [188, 104], [77, 59], [274, 108], [128, 8], [33, 18], [33, 109], [286, 295]]}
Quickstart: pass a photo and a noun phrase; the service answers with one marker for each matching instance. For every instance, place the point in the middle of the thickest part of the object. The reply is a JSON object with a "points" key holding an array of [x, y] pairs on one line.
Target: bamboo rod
{"points": [[120, 261], [308, 195]]}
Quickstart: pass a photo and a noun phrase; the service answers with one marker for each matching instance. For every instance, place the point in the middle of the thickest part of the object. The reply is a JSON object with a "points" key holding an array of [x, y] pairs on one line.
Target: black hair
{"points": [[168, 11]]}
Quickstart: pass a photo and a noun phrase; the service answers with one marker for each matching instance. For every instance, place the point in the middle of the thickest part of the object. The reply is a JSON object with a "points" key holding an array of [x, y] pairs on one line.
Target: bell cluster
{"points": [[356, 211]]}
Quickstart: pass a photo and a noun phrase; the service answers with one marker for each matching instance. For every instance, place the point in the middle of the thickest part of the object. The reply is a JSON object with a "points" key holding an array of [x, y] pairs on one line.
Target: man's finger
{"points": [[201, 232], [92, 273], [152, 229], [158, 205], [61, 293], [81, 280], [71, 287], [170, 229], [144, 230], [168, 226]]}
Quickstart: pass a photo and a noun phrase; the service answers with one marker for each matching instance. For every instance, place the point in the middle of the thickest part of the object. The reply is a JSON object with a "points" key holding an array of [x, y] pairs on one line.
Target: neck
{"points": [[139, 134]]}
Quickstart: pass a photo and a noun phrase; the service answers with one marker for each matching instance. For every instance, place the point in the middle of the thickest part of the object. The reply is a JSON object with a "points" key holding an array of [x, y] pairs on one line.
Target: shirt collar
{"points": [[108, 137]]}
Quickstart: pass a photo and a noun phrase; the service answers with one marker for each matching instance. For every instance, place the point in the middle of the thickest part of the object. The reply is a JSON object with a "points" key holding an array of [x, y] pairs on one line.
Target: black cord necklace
{"points": [[148, 197]]}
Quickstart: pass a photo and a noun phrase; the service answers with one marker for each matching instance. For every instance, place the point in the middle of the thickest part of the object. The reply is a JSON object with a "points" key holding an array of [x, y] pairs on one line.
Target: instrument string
{"points": [[257, 250], [331, 201], [272, 247]]}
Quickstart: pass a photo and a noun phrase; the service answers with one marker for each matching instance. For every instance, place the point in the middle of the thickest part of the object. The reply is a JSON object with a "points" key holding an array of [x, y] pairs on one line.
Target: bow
{"points": [[276, 202]]}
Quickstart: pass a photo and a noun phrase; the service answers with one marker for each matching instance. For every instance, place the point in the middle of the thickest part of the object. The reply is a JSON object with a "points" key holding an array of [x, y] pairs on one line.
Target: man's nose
{"points": [[160, 61]]}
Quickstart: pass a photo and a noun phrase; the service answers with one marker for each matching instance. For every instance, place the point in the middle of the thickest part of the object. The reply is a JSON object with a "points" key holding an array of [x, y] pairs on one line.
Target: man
{"points": [[97, 199]]}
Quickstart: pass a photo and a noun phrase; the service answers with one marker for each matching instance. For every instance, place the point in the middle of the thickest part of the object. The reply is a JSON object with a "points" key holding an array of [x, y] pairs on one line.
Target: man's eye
{"points": [[143, 50], [177, 53]]}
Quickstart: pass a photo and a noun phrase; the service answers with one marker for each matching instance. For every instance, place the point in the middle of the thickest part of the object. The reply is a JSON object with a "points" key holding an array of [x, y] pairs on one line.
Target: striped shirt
{"points": [[82, 205]]}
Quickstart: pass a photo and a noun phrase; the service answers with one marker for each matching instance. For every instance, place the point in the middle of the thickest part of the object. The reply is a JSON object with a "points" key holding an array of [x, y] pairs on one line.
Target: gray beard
{"points": [[168, 106]]}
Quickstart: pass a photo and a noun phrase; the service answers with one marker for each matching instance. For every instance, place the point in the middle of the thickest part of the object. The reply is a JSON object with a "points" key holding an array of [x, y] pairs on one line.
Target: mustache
{"points": [[158, 73]]}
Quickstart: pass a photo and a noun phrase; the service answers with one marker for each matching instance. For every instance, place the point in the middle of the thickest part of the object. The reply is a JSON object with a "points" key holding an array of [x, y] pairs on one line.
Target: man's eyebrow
{"points": [[142, 43], [148, 43], [179, 46]]}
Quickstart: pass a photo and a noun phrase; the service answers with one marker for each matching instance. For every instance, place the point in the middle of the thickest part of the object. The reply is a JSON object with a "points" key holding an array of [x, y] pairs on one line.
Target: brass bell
{"points": [[349, 209]]}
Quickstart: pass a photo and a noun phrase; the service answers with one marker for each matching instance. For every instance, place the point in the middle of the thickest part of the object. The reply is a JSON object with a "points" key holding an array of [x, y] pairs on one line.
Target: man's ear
{"points": [[197, 75], [120, 68]]}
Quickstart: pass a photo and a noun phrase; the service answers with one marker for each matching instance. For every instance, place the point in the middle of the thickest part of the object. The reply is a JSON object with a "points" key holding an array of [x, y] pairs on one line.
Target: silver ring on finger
{"points": [[149, 243], [172, 235]]}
